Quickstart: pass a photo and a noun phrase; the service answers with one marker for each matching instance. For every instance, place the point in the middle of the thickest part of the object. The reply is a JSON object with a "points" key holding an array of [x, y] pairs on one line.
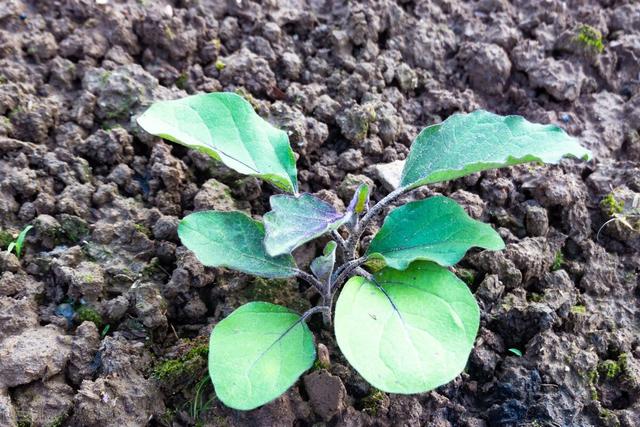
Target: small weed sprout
{"points": [[18, 243], [402, 319]]}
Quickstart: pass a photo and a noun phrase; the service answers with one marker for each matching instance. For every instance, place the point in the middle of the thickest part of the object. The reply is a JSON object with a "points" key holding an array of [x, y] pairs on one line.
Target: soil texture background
{"points": [[104, 319]]}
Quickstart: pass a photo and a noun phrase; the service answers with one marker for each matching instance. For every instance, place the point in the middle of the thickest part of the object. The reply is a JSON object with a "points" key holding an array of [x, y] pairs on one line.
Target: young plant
{"points": [[402, 319], [18, 243]]}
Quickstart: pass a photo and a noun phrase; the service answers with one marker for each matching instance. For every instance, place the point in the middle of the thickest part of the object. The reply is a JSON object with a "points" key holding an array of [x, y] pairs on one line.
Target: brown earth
{"points": [[105, 317]]}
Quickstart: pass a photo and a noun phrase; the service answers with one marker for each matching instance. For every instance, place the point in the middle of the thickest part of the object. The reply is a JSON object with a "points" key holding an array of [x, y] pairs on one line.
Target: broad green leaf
{"points": [[434, 229], [233, 240], [360, 201], [468, 143], [322, 267], [295, 220], [225, 126], [409, 331], [257, 353]]}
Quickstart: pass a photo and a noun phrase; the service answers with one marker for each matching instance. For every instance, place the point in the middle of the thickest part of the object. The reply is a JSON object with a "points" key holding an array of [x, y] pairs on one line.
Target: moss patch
{"points": [[73, 228], [611, 369], [590, 38], [5, 239], [558, 261], [189, 364], [277, 291], [181, 81], [246, 95], [611, 206], [373, 402], [578, 309], [141, 228], [467, 275], [86, 313], [534, 297]]}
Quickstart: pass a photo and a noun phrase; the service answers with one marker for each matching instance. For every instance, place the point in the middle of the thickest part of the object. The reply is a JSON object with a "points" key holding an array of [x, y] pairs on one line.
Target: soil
{"points": [[104, 319]]}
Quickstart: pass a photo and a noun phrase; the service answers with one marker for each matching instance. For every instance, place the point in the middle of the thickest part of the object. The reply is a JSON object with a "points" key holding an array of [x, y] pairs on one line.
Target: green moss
{"points": [[630, 277], [73, 228], [609, 417], [181, 81], [58, 421], [152, 269], [467, 275], [372, 403], [590, 38], [5, 239], [13, 113], [609, 368], [611, 205], [200, 350], [534, 297], [220, 65], [141, 228], [104, 77], [24, 420], [86, 313], [187, 364], [277, 291], [318, 365], [168, 415], [592, 380], [248, 97], [110, 125], [168, 368], [578, 309], [558, 261]]}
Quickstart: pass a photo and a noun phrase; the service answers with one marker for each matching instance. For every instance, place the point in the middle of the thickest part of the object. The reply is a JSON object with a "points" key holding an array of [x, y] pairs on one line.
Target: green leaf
{"points": [[468, 143], [233, 240], [257, 353], [225, 126], [410, 331], [20, 239], [435, 229], [322, 267], [360, 201], [295, 220], [516, 351]]}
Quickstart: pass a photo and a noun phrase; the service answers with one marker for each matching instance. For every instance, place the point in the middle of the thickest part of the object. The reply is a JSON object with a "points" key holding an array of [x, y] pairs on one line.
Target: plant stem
{"points": [[314, 310], [342, 244], [344, 270], [310, 279], [356, 233], [326, 313], [364, 273]]}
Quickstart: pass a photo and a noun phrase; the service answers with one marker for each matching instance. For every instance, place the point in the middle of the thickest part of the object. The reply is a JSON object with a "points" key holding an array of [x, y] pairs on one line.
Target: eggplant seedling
{"points": [[403, 320]]}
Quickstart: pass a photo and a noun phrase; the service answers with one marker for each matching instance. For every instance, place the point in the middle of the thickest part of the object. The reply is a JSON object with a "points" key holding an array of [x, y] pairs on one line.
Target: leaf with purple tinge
{"points": [[294, 221], [360, 201], [322, 267]]}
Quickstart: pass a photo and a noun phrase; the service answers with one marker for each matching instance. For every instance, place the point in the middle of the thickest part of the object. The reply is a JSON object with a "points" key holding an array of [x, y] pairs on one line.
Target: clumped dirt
{"points": [[104, 319]]}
